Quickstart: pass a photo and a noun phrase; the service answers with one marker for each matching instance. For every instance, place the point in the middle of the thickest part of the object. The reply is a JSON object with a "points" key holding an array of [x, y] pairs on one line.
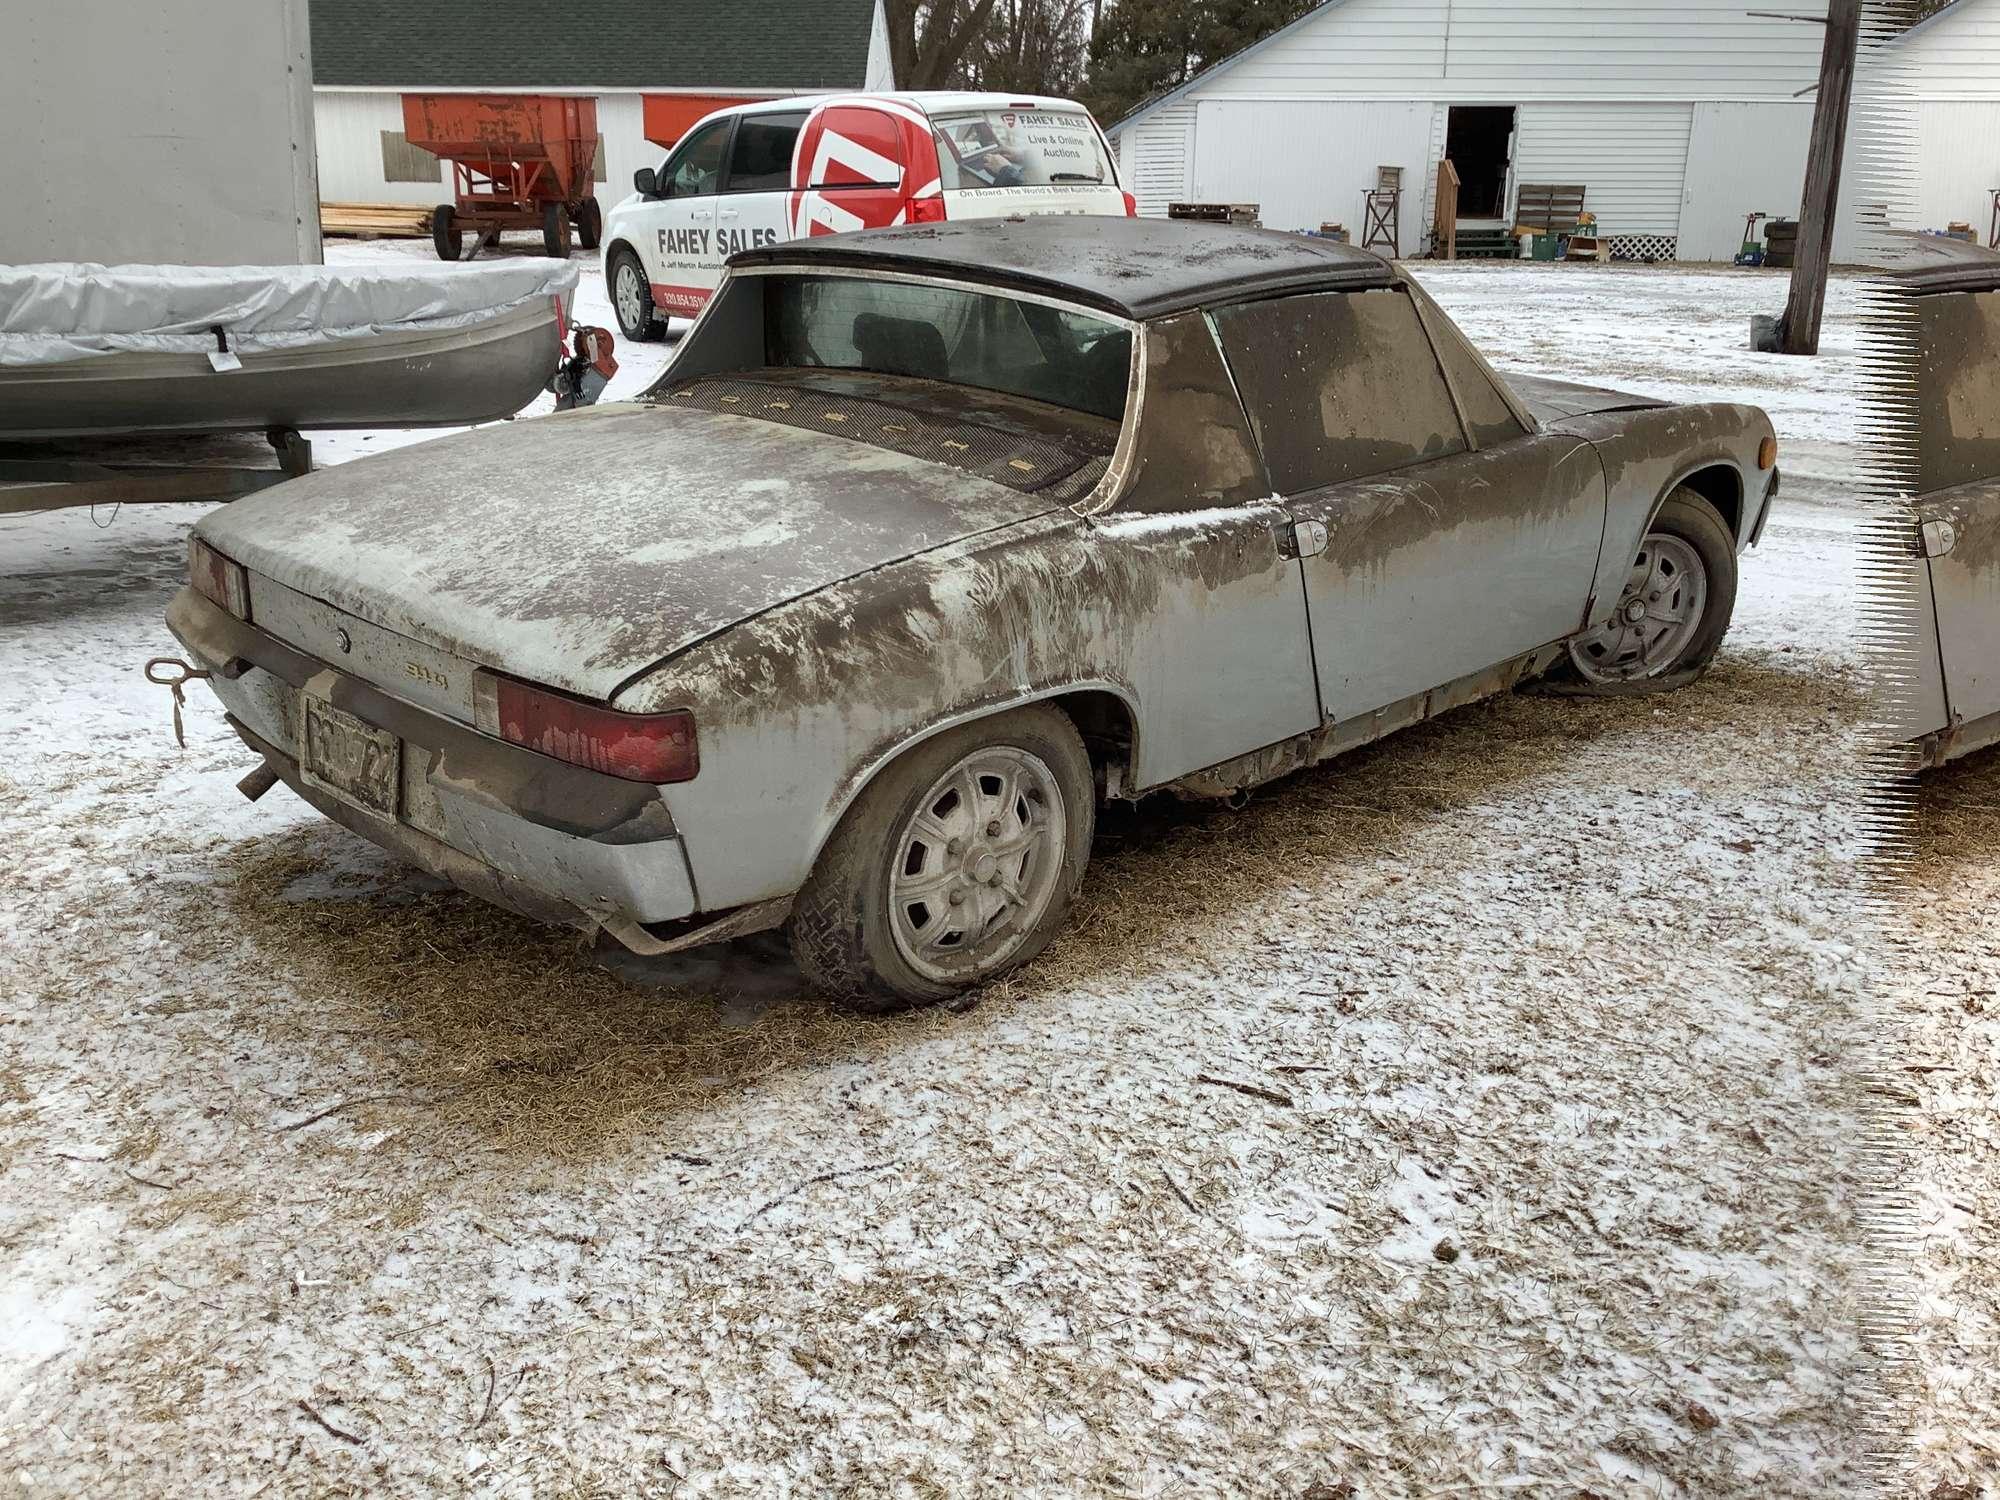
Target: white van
{"points": [[787, 168]]}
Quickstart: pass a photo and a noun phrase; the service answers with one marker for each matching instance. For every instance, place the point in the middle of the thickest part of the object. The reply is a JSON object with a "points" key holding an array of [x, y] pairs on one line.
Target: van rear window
{"points": [[1001, 148]]}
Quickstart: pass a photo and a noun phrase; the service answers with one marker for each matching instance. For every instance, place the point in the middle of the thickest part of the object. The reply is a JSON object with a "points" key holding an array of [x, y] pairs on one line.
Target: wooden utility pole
{"points": [[1798, 328]]}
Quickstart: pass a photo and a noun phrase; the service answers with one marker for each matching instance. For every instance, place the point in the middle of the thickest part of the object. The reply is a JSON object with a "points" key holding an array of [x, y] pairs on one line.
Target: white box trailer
{"points": [[174, 132]]}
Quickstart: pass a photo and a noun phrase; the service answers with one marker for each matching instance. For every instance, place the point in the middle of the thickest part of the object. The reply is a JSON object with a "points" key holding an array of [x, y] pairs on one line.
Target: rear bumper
{"points": [[552, 841]]}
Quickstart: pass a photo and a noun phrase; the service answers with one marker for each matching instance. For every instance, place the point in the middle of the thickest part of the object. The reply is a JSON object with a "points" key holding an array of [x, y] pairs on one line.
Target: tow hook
{"points": [[173, 673]]}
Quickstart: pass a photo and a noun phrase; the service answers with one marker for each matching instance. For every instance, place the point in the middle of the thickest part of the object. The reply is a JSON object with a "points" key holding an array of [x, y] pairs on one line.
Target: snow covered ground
{"points": [[1948, 987], [1474, 1113]]}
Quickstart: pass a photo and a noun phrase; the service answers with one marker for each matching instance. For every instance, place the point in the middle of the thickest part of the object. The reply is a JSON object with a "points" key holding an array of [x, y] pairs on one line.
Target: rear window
{"points": [[1066, 359], [1000, 148]]}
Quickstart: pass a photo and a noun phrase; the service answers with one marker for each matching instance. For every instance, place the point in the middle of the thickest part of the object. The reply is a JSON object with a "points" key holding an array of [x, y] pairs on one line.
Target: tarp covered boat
{"points": [[89, 349]]}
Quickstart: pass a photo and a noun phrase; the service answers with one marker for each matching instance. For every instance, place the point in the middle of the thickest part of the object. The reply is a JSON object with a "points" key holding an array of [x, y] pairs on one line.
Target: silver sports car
{"points": [[930, 540], [1947, 566]]}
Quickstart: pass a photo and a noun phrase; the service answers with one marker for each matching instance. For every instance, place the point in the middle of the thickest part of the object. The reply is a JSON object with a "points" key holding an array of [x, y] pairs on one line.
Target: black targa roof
{"points": [[1136, 268], [1938, 263]]}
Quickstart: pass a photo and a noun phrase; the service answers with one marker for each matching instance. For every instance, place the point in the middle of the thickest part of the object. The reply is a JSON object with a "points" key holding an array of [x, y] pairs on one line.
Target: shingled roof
{"points": [[695, 44]]}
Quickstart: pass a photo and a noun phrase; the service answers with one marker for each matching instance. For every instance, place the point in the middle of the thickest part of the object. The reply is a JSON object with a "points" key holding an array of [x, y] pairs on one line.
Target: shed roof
{"points": [[714, 44], [1134, 268]]}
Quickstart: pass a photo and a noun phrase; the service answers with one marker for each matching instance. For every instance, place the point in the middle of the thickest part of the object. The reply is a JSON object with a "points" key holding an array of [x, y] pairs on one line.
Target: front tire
{"points": [[1674, 610], [632, 300], [958, 864]]}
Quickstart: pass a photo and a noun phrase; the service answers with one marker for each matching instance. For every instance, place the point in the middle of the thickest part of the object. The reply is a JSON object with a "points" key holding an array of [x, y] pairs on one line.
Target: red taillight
{"points": [[926, 211], [217, 579], [1131, 205], [639, 747]]}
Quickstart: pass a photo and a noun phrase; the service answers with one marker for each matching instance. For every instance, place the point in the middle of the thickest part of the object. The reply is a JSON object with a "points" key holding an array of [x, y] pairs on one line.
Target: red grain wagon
{"points": [[668, 117], [518, 161]]}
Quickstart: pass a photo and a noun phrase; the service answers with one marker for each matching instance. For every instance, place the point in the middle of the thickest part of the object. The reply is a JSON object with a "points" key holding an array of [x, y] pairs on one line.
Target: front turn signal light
{"points": [[1767, 453]]}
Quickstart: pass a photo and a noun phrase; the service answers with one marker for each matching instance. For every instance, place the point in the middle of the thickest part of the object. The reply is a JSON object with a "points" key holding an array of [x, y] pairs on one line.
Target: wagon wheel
{"points": [[449, 240], [589, 224], [555, 230]]}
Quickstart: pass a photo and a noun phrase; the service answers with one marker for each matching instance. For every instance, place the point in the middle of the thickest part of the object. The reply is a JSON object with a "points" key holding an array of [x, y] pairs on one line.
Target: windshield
{"points": [[999, 148], [1067, 359]]}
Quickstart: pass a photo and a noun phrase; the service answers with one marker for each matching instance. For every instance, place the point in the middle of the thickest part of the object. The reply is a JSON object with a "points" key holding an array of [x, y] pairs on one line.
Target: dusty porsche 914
{"points": [[929, 540], [1949, 698]]}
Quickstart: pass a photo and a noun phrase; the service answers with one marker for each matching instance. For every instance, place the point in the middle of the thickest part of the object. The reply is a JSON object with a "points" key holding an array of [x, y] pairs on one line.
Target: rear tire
{"points": [[1682, 587], [589, 224], [956, 865], [446, 238], [555, 230], [632, 299]]}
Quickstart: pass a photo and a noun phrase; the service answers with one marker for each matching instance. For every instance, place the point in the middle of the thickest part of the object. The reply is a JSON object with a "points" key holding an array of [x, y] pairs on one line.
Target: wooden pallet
{"points": [[369, 221], [1550, 207]]}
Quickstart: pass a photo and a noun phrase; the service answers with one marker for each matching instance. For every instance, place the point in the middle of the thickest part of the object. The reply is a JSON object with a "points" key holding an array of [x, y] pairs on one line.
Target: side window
{"points": [[761, 159], [1194, 450], [697, 167], [1339, 385], [1492, 421]]}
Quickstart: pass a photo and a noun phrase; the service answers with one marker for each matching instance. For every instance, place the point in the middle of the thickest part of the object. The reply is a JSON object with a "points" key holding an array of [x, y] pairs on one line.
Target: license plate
{"points": [[356, 762]]}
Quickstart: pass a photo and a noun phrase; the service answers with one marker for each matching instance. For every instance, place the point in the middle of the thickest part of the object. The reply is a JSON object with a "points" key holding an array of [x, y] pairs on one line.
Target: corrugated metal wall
{"points": [[1308, 162], [1957, 54], [1631, 159], [1741, 157], [1157, 158], [1958, 162], [1558, 49]]}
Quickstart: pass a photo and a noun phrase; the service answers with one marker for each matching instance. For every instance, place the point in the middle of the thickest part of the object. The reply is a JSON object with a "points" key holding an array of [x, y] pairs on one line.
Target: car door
{"points": [[678, 241], [1453, 542], [755, 202], [1958, 480]]}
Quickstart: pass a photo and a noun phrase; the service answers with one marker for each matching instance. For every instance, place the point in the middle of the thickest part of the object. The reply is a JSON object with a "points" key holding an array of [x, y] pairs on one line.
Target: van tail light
{"points": [[1131, 205], [218, 580], [658, 748], [926, 211]]}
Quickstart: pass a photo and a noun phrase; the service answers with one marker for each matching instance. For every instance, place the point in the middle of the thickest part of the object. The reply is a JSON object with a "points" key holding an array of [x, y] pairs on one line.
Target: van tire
{"points": [[632, 298]]}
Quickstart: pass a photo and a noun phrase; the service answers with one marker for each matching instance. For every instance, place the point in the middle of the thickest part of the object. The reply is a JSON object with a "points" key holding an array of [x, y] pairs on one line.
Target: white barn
{"points": [[368, 53], [1949, 70], [1678, 120]]}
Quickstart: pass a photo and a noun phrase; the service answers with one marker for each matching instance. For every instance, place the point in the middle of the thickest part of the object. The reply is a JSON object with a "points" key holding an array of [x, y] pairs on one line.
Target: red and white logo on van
{"points": [[856, 165]]}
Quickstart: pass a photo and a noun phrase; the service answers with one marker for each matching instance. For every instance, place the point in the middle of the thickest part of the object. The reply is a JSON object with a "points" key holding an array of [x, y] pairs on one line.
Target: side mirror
{"points": [[647, 181]]}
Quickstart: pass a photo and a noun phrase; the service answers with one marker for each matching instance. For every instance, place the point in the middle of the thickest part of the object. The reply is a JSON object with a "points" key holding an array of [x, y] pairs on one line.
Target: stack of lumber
{"points": [[369, 221]]}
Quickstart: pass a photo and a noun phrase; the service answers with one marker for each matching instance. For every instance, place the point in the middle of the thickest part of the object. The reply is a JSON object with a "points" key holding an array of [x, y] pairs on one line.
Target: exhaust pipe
{"points": [[258, 782]]}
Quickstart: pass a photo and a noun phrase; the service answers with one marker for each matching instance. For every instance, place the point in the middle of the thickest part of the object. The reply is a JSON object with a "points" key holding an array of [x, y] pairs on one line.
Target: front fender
{"points": [[1649, 453]]}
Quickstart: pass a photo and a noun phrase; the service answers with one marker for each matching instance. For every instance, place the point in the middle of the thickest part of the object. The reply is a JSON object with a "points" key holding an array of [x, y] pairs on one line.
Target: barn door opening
{"points": [[1479, 140]]}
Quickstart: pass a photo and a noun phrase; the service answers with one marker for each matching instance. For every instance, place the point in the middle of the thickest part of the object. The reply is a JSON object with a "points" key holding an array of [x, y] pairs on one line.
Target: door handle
{"points": [[730, 213], [1298, 539]]}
